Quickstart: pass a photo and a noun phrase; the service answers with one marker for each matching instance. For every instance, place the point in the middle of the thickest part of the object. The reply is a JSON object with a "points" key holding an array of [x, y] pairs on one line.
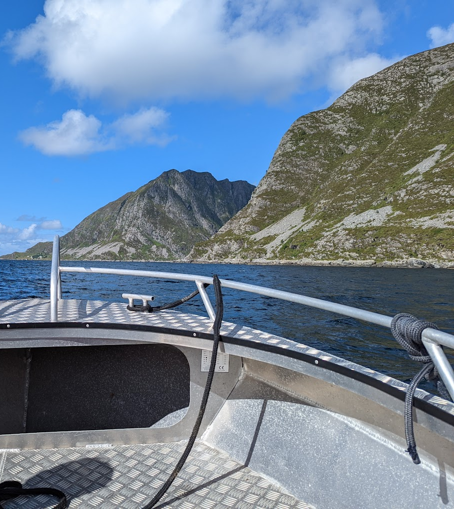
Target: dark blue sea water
{"points": [[425, 293]]}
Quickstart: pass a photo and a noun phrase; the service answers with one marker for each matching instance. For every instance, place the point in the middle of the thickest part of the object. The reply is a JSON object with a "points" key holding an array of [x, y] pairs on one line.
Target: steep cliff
{"points": [[369, 178]]}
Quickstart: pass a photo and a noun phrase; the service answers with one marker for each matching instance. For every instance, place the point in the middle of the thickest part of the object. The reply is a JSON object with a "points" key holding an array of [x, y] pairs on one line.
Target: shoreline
{"points": [[411, 263]]}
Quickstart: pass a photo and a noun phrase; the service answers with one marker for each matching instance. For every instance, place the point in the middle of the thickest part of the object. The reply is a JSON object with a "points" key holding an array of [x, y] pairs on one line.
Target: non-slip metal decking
{"points": [[127, 477]]}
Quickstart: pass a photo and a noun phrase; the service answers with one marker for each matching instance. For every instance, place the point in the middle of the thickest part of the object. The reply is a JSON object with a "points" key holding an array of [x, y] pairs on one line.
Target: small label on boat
{"points": [[98, 446], [222, 361]]}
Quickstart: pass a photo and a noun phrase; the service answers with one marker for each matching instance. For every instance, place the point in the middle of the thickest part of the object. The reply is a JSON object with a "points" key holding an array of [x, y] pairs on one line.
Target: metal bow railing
{"points": [[433, 339]]}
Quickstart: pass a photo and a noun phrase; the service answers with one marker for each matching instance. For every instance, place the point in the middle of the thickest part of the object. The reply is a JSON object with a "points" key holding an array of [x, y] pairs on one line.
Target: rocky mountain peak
{"points": [[162, 220]]}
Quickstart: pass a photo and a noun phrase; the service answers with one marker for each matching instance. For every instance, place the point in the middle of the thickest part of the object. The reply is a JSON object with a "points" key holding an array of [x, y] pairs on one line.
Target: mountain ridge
{"points": [[159, 221]]}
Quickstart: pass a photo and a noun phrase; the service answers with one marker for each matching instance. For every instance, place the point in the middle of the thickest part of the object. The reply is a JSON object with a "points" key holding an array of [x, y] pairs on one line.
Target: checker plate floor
{"points": [[127, 477]]}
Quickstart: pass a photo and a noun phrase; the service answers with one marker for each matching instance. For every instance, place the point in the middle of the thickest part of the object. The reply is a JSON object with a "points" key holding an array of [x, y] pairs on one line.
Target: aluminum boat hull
{"points": [[286, 425]]}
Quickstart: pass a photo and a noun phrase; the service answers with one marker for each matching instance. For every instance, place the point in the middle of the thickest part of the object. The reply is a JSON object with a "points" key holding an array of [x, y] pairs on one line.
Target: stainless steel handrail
{"points": [[55, 280], [432, 338]]}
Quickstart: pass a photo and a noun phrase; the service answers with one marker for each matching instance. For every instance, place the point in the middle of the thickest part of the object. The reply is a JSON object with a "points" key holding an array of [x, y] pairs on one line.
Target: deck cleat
{"points": [[132, 297]]}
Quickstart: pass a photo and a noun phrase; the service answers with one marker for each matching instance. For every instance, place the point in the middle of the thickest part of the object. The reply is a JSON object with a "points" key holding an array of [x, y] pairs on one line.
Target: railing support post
{"points": [[55, 280], [441, 362], [206, 300]]}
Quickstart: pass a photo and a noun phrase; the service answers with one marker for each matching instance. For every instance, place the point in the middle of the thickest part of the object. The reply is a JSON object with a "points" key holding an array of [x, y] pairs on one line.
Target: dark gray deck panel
{"points": [[111, 387]]}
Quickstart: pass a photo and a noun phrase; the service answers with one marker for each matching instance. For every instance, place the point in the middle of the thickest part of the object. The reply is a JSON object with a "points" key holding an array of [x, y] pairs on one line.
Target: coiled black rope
{"points": [[12, 489], [407, 330], [216, 337]]}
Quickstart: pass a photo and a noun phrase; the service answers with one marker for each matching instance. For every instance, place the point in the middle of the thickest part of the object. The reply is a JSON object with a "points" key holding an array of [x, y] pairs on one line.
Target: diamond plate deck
{"points": [[127, 477]]}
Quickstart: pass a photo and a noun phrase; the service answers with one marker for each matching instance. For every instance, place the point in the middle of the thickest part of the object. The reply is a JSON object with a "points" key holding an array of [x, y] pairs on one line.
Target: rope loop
{"points": [[407, 330]]}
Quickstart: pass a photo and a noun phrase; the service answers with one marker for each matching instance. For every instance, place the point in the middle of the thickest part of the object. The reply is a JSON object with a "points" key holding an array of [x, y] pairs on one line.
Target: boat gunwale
{"points": [[423, 401]]}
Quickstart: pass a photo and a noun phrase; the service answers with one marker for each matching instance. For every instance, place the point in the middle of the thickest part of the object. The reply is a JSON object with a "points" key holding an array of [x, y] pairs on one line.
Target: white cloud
{"points": [[347, 72], [7, 230], [8, 246], [140, 127], [76, 134], [20, 239], [195, 49], [54, 224], [440, 36], [29, 232], [28, 217]]}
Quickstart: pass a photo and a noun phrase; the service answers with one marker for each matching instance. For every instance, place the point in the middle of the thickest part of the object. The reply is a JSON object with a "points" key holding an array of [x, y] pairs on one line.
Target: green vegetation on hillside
{"points": [[386, 145]]}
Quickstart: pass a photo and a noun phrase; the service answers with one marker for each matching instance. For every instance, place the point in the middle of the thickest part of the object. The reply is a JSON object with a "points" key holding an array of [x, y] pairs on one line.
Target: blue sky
{"points": [[98, 97]]}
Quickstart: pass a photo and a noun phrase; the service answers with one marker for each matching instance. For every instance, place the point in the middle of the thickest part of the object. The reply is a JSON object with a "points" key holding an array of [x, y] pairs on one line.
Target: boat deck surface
{"points": [[101, 475], [129, 476]]}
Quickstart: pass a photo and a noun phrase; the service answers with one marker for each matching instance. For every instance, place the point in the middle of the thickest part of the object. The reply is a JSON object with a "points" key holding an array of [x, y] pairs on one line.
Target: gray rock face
{"points": [[369, 178], [160, 221]]}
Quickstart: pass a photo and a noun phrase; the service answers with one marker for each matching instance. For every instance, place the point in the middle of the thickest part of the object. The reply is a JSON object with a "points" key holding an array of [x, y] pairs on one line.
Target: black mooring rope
{"points": [[176, 303], [407, 330], [152, 309], [12, 489], [216, 337]]}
